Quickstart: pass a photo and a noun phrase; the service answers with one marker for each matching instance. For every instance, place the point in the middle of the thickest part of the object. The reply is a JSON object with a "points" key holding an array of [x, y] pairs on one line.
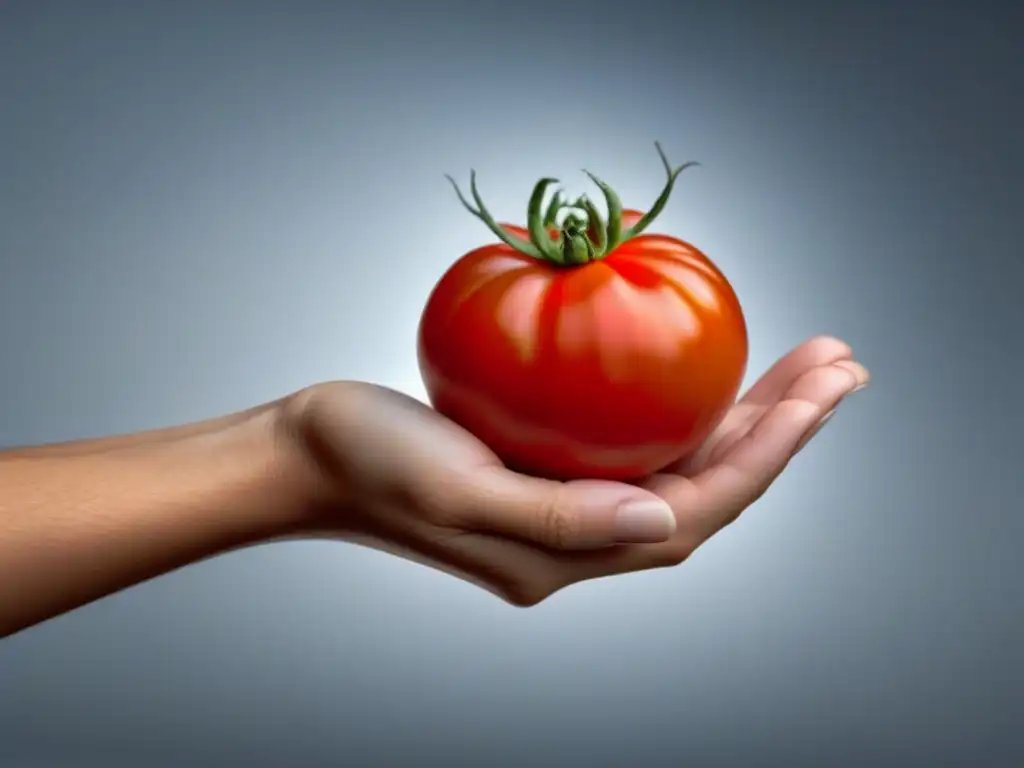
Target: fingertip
{"points": [[830, 347], [611, 513], [574, 515], [823, 386], [644, 521], [860, 374]]}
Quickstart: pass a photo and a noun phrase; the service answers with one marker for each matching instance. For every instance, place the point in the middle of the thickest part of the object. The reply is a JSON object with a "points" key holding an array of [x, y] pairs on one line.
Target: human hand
{"points": [[399, 477]]}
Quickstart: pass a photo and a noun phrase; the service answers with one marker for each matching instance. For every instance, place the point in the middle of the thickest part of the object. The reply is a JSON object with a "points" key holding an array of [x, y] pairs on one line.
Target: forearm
{"points": [[82, 520], [111, 442]]}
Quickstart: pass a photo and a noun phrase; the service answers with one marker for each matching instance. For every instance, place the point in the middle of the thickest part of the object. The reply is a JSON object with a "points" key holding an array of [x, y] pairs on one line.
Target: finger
{"points": [[862, 376], [582, 514], [809, 435], [749, 468], [859, 372], [718, 495], [813, 353], [769, 389]]}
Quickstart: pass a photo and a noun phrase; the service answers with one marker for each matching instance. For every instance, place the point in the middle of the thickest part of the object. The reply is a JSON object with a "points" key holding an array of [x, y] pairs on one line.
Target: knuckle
{"points": [[449, 500], [557, 524]]}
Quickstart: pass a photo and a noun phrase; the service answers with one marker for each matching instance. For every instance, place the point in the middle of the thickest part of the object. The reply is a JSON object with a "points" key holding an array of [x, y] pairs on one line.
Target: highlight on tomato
{"points": [[580, 347]]}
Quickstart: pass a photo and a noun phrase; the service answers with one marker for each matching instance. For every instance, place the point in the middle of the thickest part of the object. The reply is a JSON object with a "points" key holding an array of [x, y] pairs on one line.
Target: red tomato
{"points": [[613, 368]]}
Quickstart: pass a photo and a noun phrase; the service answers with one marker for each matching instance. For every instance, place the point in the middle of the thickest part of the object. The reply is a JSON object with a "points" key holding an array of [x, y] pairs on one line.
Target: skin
{"points": [[537, 358], [370, 466]]}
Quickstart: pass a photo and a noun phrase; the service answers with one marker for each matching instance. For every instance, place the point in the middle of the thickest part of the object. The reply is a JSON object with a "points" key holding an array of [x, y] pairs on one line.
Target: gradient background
{"points": [[206, 206]]}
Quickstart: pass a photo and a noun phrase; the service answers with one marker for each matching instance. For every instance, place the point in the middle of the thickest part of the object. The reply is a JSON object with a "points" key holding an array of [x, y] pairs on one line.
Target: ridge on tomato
{"points": [[584, 349]]}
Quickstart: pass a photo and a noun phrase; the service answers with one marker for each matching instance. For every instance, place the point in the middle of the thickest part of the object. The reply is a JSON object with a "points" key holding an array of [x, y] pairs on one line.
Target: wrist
{"points": [[317, 427], [283, 480]]}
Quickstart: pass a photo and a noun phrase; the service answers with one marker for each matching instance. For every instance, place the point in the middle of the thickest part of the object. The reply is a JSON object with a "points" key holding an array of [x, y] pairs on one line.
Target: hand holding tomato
{"points": [[584, 348], [571, 356], [410, 481]]}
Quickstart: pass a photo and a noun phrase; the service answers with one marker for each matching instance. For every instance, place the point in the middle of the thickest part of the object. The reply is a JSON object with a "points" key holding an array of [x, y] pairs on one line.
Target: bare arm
{"points": [[97, 445], [366, 464], [84, 519]]}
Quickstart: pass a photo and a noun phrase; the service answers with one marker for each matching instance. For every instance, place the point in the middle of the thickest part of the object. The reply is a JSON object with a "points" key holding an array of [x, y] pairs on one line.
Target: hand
{"points": [[413, 483]]}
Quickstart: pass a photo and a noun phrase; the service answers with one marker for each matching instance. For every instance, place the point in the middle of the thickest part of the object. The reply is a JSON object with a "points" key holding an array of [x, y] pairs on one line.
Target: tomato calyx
{"points": [[580, 239]]}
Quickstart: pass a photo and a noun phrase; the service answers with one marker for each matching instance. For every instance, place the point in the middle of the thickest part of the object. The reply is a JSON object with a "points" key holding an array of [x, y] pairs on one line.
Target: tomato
{"points": [[581, 363]]}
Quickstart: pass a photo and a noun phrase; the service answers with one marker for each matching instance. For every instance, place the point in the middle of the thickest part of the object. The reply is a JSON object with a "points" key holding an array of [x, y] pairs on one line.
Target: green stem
{"points": [[596, 223], [613, 229], [557, 204], [576, 246], [573, 245], [659, 204], [539, 236], [523, 246]]}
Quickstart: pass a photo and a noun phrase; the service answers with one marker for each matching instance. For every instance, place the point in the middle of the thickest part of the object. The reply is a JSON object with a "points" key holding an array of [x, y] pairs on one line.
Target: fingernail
{"points": [[859, 372], [644, 522]]}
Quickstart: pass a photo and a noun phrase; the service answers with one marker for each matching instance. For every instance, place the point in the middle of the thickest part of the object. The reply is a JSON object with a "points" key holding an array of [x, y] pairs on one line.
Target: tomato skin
{"points": [[610, 370]]}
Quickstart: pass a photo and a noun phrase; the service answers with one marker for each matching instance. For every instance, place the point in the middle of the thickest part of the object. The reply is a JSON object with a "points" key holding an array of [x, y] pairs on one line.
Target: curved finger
{"points": [[811, 354], [809, 435], [718, 495], [768, 390], [748, 469], [859, 372]]}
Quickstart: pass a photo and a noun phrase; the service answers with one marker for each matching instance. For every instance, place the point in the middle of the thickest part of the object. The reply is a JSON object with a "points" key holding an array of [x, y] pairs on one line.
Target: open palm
{"points": [[432, 492], [752, 446]]}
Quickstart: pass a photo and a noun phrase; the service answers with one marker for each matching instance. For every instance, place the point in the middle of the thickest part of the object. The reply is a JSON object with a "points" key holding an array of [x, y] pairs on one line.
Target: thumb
{"points": [[581, 514]]}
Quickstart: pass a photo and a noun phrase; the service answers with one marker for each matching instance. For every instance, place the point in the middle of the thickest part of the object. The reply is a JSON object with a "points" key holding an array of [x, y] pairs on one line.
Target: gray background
{"points": [[206, 206]]}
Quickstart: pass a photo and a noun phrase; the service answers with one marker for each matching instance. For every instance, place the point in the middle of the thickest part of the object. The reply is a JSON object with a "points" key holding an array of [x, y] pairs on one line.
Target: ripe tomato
{"points": [[576, 363]]}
